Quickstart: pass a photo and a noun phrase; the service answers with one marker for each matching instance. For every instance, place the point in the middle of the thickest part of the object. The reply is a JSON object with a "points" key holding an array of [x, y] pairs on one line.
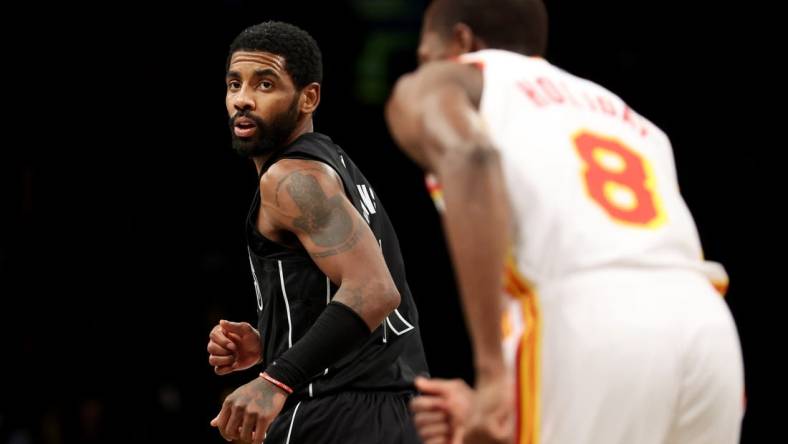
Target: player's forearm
{"points": [[477, 228], [337, 332], [476, 219], [357, 309]]}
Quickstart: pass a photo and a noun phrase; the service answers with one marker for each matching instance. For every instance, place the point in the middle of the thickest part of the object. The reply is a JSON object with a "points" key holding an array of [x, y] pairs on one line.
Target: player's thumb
{"points": [[434, 386], [235, 327]]}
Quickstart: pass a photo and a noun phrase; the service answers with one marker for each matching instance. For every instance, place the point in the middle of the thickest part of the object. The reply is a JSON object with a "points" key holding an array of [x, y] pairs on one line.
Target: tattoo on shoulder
{"points": [[287, 176], [325, 219]]}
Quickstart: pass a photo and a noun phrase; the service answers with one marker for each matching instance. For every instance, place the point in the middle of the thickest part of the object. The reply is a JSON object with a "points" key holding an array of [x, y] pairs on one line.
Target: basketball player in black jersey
{"points": [[337, 332]]}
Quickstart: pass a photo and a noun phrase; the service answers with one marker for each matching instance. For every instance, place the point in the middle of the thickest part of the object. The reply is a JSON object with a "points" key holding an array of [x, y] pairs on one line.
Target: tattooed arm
{"points": [[306, 198]]}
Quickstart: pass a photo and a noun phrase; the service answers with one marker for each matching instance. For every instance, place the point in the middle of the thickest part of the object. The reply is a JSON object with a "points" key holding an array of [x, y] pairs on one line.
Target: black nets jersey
{"points": [[292, 291]]}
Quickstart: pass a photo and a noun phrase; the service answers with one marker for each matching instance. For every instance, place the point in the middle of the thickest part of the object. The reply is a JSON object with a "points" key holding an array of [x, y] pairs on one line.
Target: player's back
{"points": [[620, 319], [592, 184]]}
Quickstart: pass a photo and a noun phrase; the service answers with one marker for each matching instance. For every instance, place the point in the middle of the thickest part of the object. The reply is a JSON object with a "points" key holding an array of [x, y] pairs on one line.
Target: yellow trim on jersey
{"points": [[528, 363], [507, 327], [721, 287], [436, 192]]}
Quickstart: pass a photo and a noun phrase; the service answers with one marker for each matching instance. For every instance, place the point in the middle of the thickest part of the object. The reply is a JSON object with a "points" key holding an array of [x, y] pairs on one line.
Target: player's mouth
{"points": [[244, 127]]}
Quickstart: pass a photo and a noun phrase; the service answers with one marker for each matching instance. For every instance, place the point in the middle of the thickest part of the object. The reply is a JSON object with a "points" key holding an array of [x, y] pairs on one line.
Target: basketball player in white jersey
{"points": [[613, 325]]}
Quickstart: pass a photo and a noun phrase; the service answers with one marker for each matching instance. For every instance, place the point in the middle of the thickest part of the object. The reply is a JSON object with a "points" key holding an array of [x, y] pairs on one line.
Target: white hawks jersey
{"points": [[612, 331], [592, 184]]}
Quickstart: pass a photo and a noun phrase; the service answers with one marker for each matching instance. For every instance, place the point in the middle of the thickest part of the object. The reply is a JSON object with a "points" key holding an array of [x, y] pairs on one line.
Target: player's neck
{"points": [[303, 127]]}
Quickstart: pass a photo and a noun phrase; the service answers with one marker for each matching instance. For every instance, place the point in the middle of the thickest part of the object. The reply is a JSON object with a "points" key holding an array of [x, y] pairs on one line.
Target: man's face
{"points": [[262, 102]]}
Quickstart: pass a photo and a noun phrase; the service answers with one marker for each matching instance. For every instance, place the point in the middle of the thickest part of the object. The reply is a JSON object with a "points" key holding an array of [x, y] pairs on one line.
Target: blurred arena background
{"points": [[123, 206]]}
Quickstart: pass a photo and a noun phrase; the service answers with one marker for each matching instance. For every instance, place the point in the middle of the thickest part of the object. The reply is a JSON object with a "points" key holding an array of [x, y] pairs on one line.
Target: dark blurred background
{"points": [[123, 205]]}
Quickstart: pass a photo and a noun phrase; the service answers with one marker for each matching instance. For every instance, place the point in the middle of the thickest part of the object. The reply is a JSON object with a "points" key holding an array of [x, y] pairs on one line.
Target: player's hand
{"points": [[491, 419], [233, 346], [442, 409], [249, 410]]}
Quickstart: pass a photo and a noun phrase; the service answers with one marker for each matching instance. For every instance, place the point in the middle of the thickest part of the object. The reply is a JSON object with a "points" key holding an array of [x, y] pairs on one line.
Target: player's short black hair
{"points": [[303, 60], [514, 25]]}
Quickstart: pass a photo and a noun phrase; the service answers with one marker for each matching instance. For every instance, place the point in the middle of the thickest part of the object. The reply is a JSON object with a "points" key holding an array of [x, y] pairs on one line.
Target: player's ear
{"points": [[309, 98], [462, 39]]}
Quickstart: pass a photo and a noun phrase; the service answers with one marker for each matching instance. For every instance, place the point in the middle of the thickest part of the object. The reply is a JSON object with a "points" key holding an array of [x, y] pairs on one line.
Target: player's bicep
{"points": [[410, 112], [311, 203]]}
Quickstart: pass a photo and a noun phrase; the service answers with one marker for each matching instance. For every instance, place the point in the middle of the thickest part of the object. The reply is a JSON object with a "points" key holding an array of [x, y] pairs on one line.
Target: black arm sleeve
{"points": [[337, 331]]}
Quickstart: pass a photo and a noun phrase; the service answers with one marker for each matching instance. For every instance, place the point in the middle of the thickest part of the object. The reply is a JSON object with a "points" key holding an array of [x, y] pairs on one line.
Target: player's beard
{"points": [[269, 135]]}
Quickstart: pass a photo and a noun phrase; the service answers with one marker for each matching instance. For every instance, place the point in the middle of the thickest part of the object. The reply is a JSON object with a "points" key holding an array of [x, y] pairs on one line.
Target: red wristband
{"points": [[279, 384]]}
